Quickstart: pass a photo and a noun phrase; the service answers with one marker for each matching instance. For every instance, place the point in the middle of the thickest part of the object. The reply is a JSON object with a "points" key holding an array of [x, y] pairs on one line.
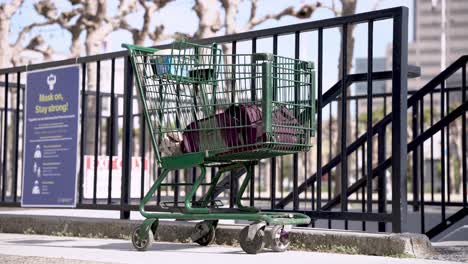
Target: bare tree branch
{"points": [[7, 10], [22, 34], [37, 44], [149, 9], [305, 11], [230, 13], [253, 10], [209, 18], [10, 53], [332, 8]]}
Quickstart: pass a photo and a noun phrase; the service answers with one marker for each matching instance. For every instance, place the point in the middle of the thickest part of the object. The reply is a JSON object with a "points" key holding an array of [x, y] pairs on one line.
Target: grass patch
{"points": [[61, 234], [400, 255], [29, 231]]}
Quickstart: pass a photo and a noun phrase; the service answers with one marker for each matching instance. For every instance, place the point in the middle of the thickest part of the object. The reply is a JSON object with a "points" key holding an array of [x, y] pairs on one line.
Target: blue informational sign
{"points": [[50, 140]]}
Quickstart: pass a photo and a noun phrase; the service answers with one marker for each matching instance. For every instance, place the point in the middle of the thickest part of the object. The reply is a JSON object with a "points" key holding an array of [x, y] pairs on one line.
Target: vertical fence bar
{"points": [[96, 128], [111, 132], [431, 108], [399, 106], [275, 92], [370, 62], [142, 153], [464, 158], [232, 180], [127, 139], [273, 182], [442, 150], [282, 176], [2, 113], [5, 139], [177, 172], [344, 105], [312, 194], [363, 189], [421, 172], [176, 180], [295, 155], [329, 158], [382, 179], [17, 133], [83, 130], [415, 159], [356, 134], [254, 98], [447, 111], [319, 117], [158, 194], [259, 185]]}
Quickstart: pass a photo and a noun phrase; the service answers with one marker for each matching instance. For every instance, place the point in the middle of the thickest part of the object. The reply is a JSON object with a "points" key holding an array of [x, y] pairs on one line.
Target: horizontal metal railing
{"points": [[122, 133]]}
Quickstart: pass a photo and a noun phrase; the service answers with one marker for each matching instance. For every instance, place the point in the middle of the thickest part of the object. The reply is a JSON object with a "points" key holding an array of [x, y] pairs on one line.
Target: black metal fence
{"points": [[329, 185]]}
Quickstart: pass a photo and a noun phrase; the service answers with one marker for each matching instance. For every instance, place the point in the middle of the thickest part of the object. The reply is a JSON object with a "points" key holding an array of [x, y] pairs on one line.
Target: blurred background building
{"points": [[427, 49]]}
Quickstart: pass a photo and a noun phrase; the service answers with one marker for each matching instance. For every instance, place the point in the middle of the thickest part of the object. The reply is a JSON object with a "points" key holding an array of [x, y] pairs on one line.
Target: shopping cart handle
{"points": [[139, 48], [262, 57]]}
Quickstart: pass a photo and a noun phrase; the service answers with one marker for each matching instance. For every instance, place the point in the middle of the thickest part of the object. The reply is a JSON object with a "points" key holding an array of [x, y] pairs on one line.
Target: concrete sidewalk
{"points": [[76, 250], [383, 244]]}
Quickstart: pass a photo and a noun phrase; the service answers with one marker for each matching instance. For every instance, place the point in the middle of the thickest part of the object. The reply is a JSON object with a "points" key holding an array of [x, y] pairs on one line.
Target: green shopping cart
{"points": [[205, 109]]}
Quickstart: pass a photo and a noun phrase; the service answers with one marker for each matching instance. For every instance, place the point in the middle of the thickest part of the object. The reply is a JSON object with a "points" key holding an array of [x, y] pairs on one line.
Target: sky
{"points": [[171, 16], [179, 16]]}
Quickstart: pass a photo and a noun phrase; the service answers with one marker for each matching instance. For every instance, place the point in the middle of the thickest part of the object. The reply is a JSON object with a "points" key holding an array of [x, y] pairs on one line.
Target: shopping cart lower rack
{"points": [[205, 109]]}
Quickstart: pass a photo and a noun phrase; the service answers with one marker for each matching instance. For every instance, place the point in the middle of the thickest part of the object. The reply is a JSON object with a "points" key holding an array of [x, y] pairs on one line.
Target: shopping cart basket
{"points": [[204, 109]]}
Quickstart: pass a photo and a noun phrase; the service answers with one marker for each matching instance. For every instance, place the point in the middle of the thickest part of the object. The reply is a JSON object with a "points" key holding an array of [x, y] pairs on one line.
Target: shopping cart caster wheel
{"points": [[204, 233], [254, 245], [279, 239], [142, 243]]}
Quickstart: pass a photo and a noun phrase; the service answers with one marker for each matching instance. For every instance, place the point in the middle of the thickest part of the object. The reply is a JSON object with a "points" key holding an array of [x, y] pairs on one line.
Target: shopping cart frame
{"points": [[252, 237]]}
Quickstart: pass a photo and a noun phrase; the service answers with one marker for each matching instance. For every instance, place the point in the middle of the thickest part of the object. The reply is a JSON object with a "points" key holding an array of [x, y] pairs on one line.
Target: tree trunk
{"points": [[209, 18], [75, 47], [348, 8], [455, 146], [93, 46], [5, 54]]}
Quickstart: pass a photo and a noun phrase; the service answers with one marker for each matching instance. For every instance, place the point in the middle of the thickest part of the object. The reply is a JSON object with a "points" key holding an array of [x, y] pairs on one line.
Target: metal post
{"points": [[295, 156], [97, 122], [370, 60], [5, 140], [319, 117], [464, 129], [127, 139], [399, 106], [344, 119], [415, 155], [17, 133], [112, 132], [421, 173], [273, 160], [382, 179], [83, 132]]}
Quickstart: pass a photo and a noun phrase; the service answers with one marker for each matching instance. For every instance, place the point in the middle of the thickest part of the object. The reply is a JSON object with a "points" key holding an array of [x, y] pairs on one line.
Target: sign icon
{"points": [[51, 80], [38, 153], [35, 189]]}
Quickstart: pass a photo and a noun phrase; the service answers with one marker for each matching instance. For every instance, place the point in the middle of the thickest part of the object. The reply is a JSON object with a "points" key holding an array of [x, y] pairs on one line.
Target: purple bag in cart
{"points": [[285, 127], [240, 128], [216, 132], [249, 119]]}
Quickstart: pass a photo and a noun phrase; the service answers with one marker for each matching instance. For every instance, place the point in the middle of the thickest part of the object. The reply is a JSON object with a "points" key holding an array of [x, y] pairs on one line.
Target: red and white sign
{"points": [[103, 176]]}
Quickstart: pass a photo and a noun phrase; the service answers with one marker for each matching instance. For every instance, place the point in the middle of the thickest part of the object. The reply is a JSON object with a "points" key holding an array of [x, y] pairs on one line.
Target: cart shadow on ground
{"points": [[127, 246]]}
